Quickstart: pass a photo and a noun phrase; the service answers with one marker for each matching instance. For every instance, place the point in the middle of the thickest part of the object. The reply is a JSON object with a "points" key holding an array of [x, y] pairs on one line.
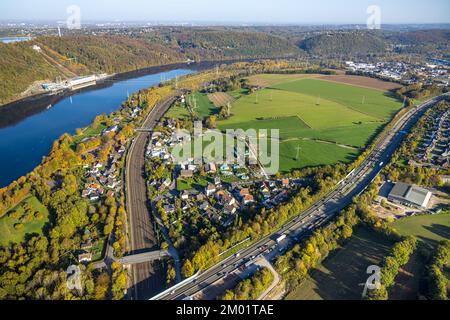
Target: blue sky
{"points": [[262, 11]]}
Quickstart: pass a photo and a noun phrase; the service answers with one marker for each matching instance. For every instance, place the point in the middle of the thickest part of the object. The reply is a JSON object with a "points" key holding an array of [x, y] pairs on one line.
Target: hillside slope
{"points": [[112, 54], [73, 55], [348, 43], [20, 66]]}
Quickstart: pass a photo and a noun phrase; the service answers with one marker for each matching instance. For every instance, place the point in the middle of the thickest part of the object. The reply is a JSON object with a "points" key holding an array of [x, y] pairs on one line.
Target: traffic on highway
{"points": [[317, 215]]}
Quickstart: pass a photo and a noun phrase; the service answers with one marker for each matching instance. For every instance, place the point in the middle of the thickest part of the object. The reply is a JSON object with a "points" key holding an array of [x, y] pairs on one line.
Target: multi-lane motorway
{"points": [[315, 216]]}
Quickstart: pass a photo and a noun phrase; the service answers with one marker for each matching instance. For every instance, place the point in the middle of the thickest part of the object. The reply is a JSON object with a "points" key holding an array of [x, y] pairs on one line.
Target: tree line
{"points": [[250, 288]]}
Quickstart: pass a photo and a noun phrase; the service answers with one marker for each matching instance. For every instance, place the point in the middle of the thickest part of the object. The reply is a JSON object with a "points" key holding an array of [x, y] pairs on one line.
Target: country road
{"points": [[147, 278]]}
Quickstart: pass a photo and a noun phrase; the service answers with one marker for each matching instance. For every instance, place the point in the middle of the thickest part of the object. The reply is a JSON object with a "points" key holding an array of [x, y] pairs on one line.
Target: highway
{"points": [[317, 215], [146, 278]]}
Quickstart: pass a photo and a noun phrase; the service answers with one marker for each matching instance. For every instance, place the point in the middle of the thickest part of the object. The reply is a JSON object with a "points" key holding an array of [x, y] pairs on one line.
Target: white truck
{"points": [[281, 238]]}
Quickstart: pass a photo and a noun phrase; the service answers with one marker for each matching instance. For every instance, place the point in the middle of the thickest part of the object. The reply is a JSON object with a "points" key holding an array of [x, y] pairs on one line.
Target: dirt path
{"points": [[321, 141], [276, 278]]}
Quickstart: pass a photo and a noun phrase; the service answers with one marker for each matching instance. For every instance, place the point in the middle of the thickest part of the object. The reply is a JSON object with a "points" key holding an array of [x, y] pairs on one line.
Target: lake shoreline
{"points": [[16, 111]]}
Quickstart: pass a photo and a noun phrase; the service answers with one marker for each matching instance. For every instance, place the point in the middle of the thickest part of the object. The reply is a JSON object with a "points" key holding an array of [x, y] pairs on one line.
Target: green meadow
{"points": [[367, 101], [329, 122], [205, 107], [429, 229], [28, 217]]}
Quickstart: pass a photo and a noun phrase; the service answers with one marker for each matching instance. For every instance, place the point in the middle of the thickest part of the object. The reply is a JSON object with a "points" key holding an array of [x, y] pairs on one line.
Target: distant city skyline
{"points": [[231, 11]]}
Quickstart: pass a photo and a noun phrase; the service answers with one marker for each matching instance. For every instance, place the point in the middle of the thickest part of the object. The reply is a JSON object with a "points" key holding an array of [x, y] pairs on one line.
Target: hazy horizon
{"points": [[263, 12]]}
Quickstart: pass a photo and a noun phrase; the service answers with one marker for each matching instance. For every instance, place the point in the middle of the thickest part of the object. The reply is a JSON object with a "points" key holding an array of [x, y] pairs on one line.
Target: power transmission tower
{"points": [[298, 152]]}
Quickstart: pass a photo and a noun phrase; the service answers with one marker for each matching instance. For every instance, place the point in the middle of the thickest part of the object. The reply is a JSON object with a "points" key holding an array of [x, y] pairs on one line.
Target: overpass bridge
{"points": [[143, 130], [143, 257], [134, 258]]}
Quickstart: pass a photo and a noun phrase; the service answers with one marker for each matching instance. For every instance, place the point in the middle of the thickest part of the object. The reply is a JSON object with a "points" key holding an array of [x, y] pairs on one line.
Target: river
{"points": [[28, 130]]}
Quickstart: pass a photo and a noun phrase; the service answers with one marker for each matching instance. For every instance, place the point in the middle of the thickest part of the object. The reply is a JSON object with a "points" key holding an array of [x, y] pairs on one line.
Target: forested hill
{"points": [[112, 54], [20, 66], [419, 37], [205, 44], [346, 43]]}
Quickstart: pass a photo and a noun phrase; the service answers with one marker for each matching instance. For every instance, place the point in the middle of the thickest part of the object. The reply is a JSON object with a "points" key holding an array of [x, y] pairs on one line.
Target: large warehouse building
{"points": [[410, 195]]}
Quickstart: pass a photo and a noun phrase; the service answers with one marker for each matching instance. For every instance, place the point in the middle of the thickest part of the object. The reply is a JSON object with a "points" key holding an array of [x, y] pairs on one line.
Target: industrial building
{"points": [[410, 195]]}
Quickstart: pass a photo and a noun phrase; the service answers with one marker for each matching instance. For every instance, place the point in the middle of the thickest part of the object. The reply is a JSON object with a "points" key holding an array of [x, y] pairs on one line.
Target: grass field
{"points": [[430, 229], [177, 112], [312, 152], [9, 234], [303, 107], [220, 99], [372, 102], [205, 107], [89, 132], [340, 276]]}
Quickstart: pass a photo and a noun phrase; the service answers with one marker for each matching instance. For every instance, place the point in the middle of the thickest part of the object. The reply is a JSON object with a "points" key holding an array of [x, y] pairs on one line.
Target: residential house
{"points": [[244, 192], [229, 209], [210, 189], [85, 257], [211, 167], [185, 195], [169, 208], [200, 197], [186, 174], [248, 198]]}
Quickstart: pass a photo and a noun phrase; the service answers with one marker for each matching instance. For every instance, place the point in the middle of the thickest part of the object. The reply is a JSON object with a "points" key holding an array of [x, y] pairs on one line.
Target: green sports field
{"points": [[330, 122]]}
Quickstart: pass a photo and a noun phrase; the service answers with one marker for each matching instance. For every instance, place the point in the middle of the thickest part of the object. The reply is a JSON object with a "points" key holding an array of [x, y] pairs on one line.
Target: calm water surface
{"points": [[23, 145]]}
